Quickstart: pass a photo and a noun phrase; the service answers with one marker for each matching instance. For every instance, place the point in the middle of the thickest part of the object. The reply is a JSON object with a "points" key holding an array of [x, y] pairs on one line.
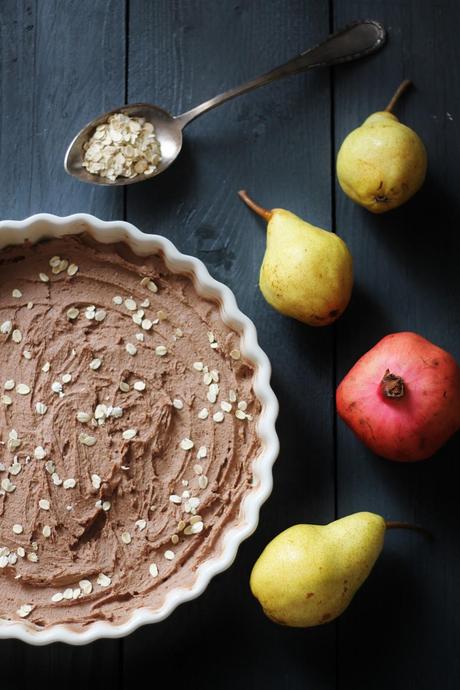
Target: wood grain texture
{"points": [[403, 629], [61, 63], [275, 143]]}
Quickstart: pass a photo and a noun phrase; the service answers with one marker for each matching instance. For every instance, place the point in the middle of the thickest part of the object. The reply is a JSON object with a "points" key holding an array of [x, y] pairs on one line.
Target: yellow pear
{"points": [[308, 574], [381, 164], [307, 272]]}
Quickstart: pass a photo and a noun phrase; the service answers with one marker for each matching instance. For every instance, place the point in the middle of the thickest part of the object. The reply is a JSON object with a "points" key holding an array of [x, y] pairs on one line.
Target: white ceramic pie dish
{"points": [[42, 226]]}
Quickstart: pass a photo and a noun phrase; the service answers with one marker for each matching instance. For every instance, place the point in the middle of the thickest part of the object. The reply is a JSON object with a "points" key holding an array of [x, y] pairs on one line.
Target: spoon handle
{"points": [[350, 43]]}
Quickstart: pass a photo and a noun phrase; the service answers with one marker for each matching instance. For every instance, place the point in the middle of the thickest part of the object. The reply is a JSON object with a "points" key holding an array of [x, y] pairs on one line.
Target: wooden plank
{"points": [[61, 64], [403, 629], [93, 665], [276, 143]]}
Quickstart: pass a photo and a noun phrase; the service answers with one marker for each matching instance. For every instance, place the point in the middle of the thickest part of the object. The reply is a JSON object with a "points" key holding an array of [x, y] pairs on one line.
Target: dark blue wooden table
{"points": [[64, 61]]}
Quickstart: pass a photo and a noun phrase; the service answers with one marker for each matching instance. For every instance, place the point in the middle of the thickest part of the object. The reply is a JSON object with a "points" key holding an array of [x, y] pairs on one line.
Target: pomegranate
{"points": [[402, 398]]}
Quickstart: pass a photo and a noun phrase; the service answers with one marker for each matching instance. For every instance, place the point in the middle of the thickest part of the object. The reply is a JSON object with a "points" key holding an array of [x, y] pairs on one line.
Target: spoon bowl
{"points": [[168, 130]]}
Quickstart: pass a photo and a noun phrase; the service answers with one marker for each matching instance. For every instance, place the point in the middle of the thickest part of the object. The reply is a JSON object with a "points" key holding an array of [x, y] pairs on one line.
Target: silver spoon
{"points": [[352, 42]]}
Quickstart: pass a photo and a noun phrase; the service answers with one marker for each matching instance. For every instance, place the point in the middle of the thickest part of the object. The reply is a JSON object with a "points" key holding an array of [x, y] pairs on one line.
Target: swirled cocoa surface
{"points": [[128, 430]]}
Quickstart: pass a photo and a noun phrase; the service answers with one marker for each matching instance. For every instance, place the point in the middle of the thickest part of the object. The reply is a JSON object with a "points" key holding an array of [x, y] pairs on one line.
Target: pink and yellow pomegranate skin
{"points": [[402, 398]]}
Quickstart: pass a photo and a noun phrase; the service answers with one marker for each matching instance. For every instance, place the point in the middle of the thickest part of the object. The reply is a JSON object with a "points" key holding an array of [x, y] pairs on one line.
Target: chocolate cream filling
{"points": [[128, 431]]}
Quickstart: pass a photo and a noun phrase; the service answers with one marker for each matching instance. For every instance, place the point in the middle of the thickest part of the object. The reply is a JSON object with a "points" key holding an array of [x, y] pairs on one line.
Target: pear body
{"points": [[308, 574], [307, 272], [381, 164]]}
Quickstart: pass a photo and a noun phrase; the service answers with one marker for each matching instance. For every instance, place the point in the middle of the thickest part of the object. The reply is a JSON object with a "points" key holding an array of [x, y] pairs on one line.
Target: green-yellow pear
{"points": [[307, 272], [308, 574], [381, 164]]}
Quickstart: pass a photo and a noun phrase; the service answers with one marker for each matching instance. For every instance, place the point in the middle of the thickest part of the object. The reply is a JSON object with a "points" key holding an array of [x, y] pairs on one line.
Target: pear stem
{"points": [[395, 524], [262, 212], [402, 88]]}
